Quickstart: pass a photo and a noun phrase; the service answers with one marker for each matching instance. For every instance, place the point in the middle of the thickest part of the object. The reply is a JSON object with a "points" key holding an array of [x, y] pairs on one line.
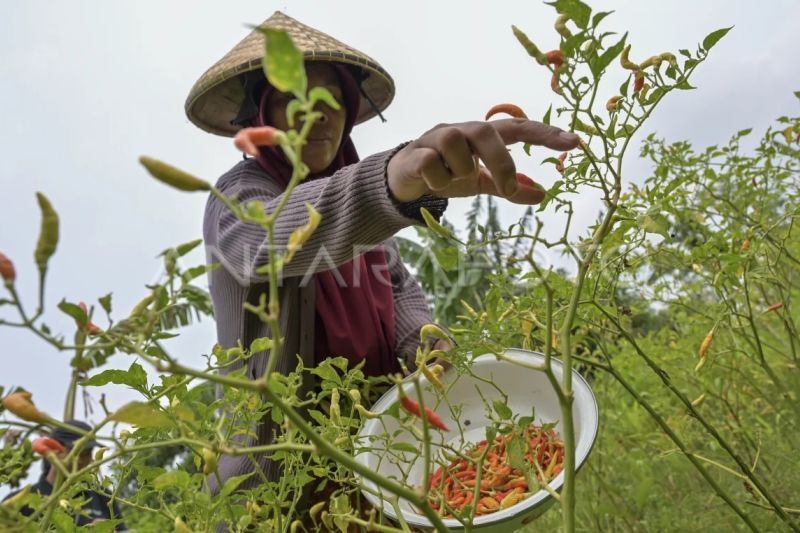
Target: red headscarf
{"points": [[354, 319]]}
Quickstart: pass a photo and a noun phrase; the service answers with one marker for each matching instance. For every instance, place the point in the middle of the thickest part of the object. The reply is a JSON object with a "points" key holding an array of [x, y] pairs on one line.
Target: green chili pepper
{"points": [[48, 234], [561, 26], [531, 48], [172, 176]]}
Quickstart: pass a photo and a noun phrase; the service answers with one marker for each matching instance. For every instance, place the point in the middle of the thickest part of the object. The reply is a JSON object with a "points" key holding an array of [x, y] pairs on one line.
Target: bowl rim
{"points": [[525, 506]]}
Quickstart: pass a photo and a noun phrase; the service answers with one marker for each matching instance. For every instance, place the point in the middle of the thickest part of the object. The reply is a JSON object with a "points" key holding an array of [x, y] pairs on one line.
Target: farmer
{"points": [[97, 507], [336, 297]]}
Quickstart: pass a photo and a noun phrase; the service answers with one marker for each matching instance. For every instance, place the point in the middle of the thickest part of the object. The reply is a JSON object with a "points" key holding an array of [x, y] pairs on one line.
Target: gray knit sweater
{"points": [[357, 211]]}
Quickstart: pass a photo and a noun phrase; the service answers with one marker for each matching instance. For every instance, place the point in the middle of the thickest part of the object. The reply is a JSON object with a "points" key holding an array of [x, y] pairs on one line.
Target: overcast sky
{"points": [[87, 87]]}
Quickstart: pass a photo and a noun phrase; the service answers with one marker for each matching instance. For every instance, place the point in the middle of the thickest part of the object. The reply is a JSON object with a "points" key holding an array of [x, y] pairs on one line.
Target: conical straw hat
{"points": [[215, 99]]}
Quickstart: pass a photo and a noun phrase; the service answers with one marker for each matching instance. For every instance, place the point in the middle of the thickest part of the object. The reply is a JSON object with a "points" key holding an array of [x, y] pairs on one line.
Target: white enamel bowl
{"points": [[526, 388]]}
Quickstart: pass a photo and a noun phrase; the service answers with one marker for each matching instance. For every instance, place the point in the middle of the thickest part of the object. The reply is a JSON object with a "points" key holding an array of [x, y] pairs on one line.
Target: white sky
{"points": [[87, 87]]}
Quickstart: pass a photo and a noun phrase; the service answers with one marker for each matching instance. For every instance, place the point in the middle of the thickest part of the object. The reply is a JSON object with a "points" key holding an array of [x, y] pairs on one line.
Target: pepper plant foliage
{"points": [[679, 310]]}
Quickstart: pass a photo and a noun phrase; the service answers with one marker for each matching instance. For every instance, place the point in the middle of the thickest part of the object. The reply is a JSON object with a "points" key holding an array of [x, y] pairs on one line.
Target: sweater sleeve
{"points": [[355, 205], [411, 310]]}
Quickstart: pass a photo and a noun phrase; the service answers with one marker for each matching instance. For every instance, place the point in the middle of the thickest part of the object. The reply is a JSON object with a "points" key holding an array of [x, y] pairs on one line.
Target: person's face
{"points": [[326, 134]]}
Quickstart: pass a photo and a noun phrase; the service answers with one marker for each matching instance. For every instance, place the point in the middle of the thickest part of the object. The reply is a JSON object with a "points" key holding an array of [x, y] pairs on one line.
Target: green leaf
{"points": [[135, 377], [260, 345], [502, 410], [525, 147], [179, 479], [105, 302], [446, 256], [187, 247], [283, 63], [546, 117], [232, 484], [404, 447], [599, 16], [684, 85], [321, 94], [516, 454], [797, 94], [713, 37], [575, 10], [598, 64], [74, 311], [654, 223], [141, 414], [434, 224]]}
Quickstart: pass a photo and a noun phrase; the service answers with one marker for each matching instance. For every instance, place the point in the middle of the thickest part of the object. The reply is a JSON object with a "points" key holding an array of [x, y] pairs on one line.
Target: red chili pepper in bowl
{"points": [[412, 406]]}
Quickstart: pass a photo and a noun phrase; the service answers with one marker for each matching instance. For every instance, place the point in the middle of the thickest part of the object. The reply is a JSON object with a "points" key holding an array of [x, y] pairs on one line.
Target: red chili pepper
{"points": [[412, 407], [555, 57], [638, 81], [7, 271], [774, 307], [42, 445]]}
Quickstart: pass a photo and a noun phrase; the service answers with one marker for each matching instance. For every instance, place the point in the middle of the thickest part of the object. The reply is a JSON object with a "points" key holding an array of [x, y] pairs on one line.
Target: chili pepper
{"points": [[670, 58], [706, 344], [89, 327], [643, 93], [774, 307], [365, 413], [42, 445], [745, 246], [20, 404], [249, 139], [561, 26], [180, 526], [336, 413], [472, 312], [561, 158], [48, 233], [638, 81], [513, 498], [172, 176], [7, 269], [210, 459], [555, 57], [315, 509], [296, 525], [17, 498], [412, 406], [143, 304], [432, 330], [554, 79], [650, 62], [433, 378], [252, 507], [510, 109], [355, 395], [531, 48], [625, 61], [99, 453], [613, 102], [697, 402], [699, 366]]}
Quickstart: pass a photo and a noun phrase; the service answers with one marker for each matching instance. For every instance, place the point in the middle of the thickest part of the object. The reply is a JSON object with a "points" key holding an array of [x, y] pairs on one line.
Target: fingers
{"points": [[530, 131]]}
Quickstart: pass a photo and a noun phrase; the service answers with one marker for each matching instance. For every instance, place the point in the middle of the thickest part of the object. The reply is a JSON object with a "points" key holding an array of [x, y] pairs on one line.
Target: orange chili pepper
{"points": [[42, 445], [510, 109], [412, 406], [774, 307]]}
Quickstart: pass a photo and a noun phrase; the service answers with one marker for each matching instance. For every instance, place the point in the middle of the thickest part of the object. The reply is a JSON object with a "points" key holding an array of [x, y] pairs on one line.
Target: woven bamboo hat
{"points": [[215, 98]]}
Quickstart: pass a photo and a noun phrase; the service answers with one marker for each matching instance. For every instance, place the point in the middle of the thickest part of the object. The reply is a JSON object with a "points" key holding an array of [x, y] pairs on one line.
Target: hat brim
{"points": [[216, 98]]}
